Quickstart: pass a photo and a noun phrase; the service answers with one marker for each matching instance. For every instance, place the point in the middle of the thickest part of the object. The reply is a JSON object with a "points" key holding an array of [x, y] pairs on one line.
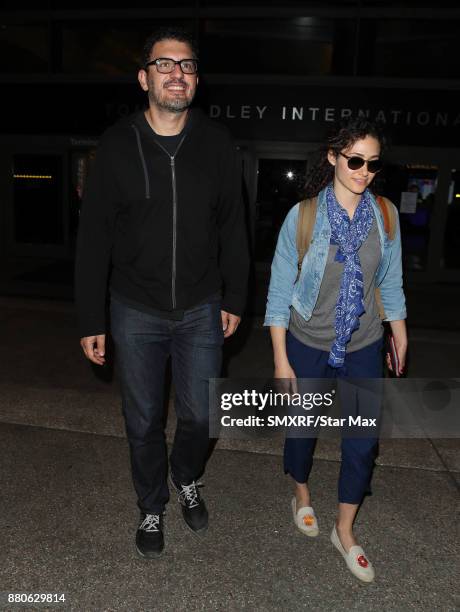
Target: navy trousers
{"points": [[143, 344], [358, 454]]}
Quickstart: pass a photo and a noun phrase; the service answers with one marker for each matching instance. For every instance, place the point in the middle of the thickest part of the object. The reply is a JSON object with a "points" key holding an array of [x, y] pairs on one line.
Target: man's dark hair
{"points": [[169, 33]]}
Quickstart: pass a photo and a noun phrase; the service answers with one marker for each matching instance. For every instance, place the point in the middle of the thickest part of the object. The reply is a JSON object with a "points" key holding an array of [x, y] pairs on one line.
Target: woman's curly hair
{"points": [[342, 137]]}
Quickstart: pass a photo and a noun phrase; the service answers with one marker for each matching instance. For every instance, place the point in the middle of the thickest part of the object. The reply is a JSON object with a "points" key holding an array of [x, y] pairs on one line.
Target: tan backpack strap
{"points": [[389, 225], [389, 216], [305, 225]]}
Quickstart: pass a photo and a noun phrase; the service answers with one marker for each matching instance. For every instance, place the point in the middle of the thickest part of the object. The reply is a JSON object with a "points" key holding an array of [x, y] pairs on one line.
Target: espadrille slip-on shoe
{"points": [[355, 558], [305, 519]]}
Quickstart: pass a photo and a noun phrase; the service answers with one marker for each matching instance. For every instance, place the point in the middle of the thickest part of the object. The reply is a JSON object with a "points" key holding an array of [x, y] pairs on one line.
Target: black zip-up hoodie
{"points": [[173, 227]]}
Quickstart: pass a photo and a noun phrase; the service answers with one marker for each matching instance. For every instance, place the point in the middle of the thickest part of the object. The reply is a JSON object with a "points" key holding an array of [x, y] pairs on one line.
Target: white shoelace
{"points": [[151, 523], [189, 494]]}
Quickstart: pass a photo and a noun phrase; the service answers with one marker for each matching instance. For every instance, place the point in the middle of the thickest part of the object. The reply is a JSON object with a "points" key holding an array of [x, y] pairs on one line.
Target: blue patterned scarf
{"points": [[349, 236]]}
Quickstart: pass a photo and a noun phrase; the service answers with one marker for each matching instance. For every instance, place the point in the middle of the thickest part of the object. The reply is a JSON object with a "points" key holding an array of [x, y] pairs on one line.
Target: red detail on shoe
{"points": [[363, 562], [309, 520]]}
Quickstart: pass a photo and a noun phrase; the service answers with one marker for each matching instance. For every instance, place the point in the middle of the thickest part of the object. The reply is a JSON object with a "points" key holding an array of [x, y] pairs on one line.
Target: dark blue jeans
{"points": [[358, 454], [143, 345]]}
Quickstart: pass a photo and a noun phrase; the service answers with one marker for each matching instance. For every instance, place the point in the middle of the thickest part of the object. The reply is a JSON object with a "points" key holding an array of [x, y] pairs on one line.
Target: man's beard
{"points": [[173, 105]]}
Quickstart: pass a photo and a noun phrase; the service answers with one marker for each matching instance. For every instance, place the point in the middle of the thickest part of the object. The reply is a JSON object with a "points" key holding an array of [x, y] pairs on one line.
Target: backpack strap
{"points": [[305, 224], [389, 216], [389, 225]]}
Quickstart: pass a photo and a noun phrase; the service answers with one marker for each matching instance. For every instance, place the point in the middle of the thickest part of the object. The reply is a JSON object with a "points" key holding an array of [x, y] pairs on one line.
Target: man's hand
{"points": [[229, 323], [94, 348]]}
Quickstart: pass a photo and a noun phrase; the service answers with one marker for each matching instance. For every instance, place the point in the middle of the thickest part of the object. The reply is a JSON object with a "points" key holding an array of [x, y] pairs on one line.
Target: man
{"points": [[163, 212]]}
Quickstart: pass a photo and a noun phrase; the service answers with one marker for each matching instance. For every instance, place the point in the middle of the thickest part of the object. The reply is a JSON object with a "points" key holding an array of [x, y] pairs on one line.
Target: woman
{"points": [[325, 321]]}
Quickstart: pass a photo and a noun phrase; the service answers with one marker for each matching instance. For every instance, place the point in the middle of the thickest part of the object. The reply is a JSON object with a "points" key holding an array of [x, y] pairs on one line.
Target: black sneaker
{"points": [[193, 507], [149, 535]]}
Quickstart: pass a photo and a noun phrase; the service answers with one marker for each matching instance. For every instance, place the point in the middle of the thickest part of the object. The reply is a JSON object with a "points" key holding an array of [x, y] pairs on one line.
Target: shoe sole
{"points": [[312, 534], [199, 533], [152, 555]]}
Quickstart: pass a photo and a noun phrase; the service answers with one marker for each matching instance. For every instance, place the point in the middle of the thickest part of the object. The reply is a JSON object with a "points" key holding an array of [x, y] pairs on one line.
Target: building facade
{"points": [[278, 75]]}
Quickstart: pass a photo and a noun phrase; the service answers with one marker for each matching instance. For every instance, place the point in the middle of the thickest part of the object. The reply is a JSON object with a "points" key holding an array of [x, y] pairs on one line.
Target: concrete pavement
{"points": [[68, 514]]}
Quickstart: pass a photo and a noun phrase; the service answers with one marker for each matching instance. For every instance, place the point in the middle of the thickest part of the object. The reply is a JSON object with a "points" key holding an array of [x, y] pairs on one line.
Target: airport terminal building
{"points": [[278, 75]]}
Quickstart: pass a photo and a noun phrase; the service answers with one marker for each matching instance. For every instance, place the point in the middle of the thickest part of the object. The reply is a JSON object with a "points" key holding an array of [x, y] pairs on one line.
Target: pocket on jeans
{"points": [[209, 332]]}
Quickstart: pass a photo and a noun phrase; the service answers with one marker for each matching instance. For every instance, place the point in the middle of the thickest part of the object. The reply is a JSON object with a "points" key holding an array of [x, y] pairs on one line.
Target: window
{"points": [[112, 50], [413, 48], [302, 45], [24, 48]]}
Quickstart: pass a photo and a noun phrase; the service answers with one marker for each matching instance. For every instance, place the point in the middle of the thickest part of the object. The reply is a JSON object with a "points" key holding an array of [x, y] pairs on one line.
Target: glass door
{"points": [[37, 200], [412, 188], [41, 195], [451, 251], [424, 184], [279, 187]]}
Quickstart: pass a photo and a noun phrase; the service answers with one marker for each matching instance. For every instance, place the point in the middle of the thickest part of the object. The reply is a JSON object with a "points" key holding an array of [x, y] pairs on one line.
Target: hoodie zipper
{"points": [[174, 228]]}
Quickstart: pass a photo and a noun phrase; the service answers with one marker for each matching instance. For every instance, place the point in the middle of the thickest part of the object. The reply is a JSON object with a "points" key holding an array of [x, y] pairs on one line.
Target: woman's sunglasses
{"points": [[355, 163]]}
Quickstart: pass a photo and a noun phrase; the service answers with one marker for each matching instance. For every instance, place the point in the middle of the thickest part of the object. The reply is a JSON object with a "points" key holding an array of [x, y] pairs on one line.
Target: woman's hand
{"points": [[284, 374], [398, 329], [286, 380], [284, 371]]}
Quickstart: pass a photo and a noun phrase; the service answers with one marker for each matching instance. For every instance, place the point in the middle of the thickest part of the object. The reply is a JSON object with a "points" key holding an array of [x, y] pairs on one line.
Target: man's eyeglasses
{"points": [[355, 163], [165, 65]]}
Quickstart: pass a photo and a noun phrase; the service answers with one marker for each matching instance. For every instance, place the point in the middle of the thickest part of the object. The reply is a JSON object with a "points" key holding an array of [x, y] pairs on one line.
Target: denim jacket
{"points": [[285, 291]]}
